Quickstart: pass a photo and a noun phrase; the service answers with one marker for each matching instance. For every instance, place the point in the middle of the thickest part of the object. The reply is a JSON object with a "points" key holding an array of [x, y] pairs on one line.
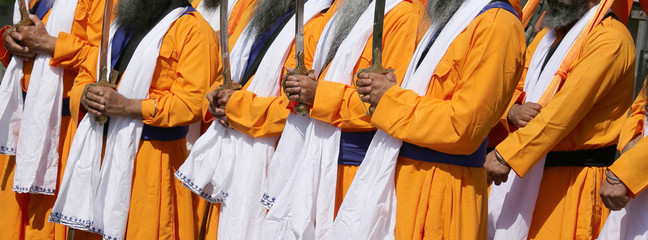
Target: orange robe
{"points": [[25, 215], [467, 94], [160, 207], [631, 167], [586, 113]]}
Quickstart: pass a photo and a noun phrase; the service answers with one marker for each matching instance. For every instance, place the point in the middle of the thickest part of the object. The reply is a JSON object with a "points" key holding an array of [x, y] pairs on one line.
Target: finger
{"points": [[363, 76], [534, 106], [526, 117], [13, 46], [312, 75], [497, 180], [223, 101], [522, 123], [364, 90], [16, 34], [218, 112], [289, 69], [293, 90], [95, 106], [292, 83], [505, 178], [391, 77], [489, 180], [366, 98], [36, 20], [364, 82], [92, 96]]}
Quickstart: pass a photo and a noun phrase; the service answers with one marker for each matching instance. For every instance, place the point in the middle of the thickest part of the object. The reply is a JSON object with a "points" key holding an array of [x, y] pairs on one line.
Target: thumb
{"points": [[35, 19]]}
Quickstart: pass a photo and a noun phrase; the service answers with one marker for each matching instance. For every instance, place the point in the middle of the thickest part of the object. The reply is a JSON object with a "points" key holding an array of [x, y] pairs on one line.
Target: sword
{"points": [[24, 15], [300, 69], [227, 76], [376, 58], [104, 81]]}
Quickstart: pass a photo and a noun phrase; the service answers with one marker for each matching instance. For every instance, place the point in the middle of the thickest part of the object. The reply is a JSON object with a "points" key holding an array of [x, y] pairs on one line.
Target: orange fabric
{"points": [[459, 113], [527, 13], [161, 208], [440, 201], [588, 110], [13, 205], [211, 229], [346, 173], [569, 205], [634, 124]]}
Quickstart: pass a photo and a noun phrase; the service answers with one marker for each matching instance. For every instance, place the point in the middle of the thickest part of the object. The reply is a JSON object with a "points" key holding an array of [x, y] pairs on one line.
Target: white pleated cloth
{"points": [[30, 130], [369, 207], [511, 204], [302, 180], [631, 222], [236, 175], [95, 193]]}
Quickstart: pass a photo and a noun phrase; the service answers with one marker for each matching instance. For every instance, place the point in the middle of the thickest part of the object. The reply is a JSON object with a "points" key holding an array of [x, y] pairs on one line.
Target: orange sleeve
{"points": [[5, 56], [339, 104], [632, 166], [459, 123], [186, 66], [266, 116], [73, 49], [605, 60], [634, 125]]}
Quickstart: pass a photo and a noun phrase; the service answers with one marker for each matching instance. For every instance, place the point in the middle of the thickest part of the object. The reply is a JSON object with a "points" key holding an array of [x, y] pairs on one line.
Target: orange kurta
{"points": [[160, 207], [586, 113], [631, 167], [25, 215], [469, 91]]}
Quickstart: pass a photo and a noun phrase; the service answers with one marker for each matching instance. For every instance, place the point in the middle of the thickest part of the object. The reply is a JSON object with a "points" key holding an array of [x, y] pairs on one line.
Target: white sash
{"points": [[369, 207], [511, 204], [34, 138], [94, 198], [302, 179], [631, 222], [238, 178]]}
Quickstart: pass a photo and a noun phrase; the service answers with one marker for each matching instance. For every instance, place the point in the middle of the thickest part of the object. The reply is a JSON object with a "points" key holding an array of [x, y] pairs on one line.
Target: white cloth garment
{"points": [[31, 130], [369, 207], [301, 193], [511, 204], [241, 175], [94, 198], [631, 222]]}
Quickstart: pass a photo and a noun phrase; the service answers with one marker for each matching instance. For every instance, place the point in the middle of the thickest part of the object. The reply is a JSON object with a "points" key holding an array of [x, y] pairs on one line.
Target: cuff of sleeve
{"points": [[328, 98], [507, 152], [61, 49], [148, 110], [631, 176], [626, 136], [382, 117]]}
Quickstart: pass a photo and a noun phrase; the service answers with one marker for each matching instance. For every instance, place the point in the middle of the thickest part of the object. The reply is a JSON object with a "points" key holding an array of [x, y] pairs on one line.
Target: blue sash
{"points": [[65, 108], [42, 8], [354, 146]]}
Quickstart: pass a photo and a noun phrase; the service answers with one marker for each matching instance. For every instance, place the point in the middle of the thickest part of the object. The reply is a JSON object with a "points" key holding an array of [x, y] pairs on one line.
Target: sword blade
{"points": [[379, 17], [224, 42], [105, 35], [299, 31]]}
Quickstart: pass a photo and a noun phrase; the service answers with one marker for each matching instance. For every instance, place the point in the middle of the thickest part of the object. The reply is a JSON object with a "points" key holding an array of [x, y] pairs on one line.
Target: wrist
{"points": [[611, 178], [512, 112], [500, 159]]}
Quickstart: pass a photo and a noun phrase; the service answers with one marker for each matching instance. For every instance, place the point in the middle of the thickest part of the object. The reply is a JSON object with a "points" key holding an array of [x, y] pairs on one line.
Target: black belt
{"points": [[600, 157]]}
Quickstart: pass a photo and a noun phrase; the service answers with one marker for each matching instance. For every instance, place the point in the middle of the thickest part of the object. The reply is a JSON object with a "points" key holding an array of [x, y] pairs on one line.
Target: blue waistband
{"points": [[65, 109], [353, 147], [164, 134], [476, 159]]}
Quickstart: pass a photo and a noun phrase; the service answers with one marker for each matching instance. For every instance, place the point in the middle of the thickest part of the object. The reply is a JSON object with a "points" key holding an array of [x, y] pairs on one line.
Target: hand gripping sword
{"points": [[300, 69], [104, 81], [376, 58], [24, 15]]}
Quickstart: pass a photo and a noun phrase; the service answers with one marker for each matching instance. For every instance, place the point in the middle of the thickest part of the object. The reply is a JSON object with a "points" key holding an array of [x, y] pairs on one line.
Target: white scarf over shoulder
{"points": [[369, 207], [31, 130], [95, 194], [230, 167], [301, 180], [511, 204]]}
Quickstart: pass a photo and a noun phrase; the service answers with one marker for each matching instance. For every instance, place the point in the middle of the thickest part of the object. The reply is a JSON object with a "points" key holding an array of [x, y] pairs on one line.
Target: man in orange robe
{"points": [[441, 192], [25, 215], [334, 103], [160, 207], [577, 128]]}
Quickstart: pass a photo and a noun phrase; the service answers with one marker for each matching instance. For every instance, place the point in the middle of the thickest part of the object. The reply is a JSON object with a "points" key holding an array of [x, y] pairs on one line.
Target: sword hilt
{"points": [[301, 69], [228, 84], [376, 67], [24, 15], [104, 82]]}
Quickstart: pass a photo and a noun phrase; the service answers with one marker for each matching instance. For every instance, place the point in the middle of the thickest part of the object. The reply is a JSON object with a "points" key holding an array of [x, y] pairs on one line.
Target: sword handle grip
{"points": [[376, 68], [300, 108]]}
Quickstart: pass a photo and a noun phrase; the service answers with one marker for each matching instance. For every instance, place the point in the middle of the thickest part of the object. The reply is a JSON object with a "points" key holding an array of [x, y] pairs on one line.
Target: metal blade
{"points": [[379, 17], [224, 34], [299, 30], [105, 35]]}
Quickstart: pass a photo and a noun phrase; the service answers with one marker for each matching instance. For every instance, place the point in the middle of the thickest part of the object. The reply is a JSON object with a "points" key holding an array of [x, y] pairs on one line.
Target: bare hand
{"points": [[614, 193], [35, 38], [496, 171], [12, 44], [372, 86], [631, 144], [302, 88], [107, 101], [521, 115]]}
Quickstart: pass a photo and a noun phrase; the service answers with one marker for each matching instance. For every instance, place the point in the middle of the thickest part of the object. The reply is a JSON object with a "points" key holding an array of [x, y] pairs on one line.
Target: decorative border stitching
{"points": [[188, 182], [7, 150], [268, 201], [33, 189], [77, 223]]}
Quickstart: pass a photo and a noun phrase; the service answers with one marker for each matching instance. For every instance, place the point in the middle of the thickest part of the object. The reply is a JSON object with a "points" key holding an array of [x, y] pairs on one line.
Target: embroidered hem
{"points": [[80, 224], [188, 183], [268, 201], [33, 189], [7, 151]]}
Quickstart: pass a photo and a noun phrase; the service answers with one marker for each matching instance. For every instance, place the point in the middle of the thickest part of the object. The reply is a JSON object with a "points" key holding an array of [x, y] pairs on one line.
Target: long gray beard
{"points": [[440, 11], [268, 12], [211, 4], [346, 18], [561, 14], [139, 14]]}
